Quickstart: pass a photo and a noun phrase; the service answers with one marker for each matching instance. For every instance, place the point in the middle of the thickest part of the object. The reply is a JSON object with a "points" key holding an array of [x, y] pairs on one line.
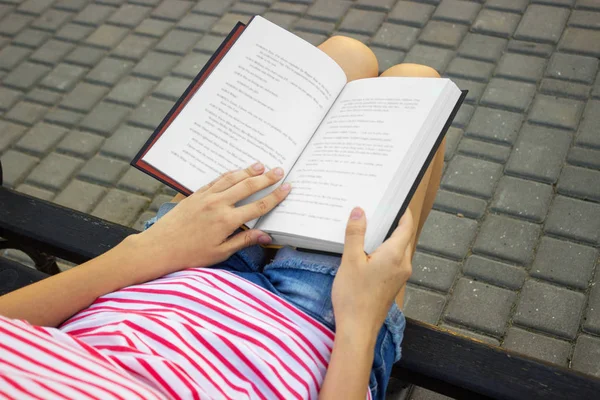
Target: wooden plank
{"points": [[65, 233], [446, 358]]}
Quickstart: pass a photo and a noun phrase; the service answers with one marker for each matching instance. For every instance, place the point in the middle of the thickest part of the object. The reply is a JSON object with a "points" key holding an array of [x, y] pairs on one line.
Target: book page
{"points": [[262, 102], [354, 155]]}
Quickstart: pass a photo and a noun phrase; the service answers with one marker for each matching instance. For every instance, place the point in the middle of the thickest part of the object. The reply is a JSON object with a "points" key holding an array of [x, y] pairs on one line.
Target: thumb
{"points": [[354, 245], [246, 239]]}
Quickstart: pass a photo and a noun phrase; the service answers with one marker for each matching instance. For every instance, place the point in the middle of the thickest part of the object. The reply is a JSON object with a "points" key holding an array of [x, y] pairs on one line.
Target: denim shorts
{"points": [[305, 280]]}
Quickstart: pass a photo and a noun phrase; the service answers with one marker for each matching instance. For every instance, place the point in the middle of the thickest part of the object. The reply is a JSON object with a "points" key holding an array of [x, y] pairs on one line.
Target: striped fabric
{"points": [[197, 334]]}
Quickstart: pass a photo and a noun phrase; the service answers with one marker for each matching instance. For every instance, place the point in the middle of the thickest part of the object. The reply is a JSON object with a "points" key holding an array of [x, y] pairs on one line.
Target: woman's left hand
{"points": [[197, 232]]}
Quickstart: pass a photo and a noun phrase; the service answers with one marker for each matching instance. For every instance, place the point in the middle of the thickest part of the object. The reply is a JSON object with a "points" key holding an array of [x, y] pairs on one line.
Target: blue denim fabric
{"points": [[305, 280]]}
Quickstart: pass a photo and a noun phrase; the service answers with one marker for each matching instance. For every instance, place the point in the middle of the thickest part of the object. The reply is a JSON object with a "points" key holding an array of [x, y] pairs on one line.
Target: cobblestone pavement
{"points": [[510, 251]]}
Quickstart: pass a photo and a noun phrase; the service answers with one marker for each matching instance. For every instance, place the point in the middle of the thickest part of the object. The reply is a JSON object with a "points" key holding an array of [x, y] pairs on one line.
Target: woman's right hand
{"points": [[366, 285]]}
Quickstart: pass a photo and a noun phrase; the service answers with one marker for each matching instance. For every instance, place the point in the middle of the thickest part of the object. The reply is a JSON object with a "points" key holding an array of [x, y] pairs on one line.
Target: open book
{"points": [[267, 95]]}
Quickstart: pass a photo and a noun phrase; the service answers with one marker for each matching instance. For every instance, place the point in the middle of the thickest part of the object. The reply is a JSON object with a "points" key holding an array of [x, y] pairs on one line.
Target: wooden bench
{"points": [[432, 358]]}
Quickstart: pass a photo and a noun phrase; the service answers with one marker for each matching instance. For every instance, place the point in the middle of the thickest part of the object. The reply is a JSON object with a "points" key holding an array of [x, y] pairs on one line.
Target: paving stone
{"points": [[109, 71], [454, 203], [564, 263], [16, 165], [495, 23], [26, 113], [25, 76], [584, 19], [582, 41], [572, 67], [447, 235], [458, 11], [433, 272], [522, 198], [212, 7], [550, 309], [517, 6], [583, 157], [556, 112], [588, 5], [591, 321], [539, 153], [494, 125], [129, 15], [588, 134], [484, 150], [514, 96], [132, 90], [481, 306], [8, 98], [520, 67], [150, 113], [530, 48], [575, 219], [296, 9], [507, 239], [353, 35], [105, 118], [470, 69], [9, 133], [396, 36], [444, 34], [494, 272], [86, 56], [558, 3], [209, 43], [73, 32], [463, 332], [155, 65], [561, 88], [153, 27], [141, 221], [387, 58], [63, 117], [42, 96], [423, 305], [83, 97], [311, 25], [13, 23], [586, 357], [63, 77], [376, 5], [434, 57], [34, 6], [580, 182], [361, 21], [178, 42], [107, 36], [80, 196], [80, 144], [197, 22], [172, 10], [227, 22], [248, 8], [52, 19], [52, 52], [125, 142], [35, 192], [41, 138], [11, 56], [462, 118], [475, 89], [139, 182], [542, 24], [94, 14], [410, 13], [453, 136], [133, 47], [472, 176], [171, 88], [54, 172], [190, 65], [537, 346], [120, 207], [103, 170], [5, 9]]}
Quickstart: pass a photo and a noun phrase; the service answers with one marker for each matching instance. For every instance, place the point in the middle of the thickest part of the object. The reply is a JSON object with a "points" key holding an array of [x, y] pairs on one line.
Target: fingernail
{"points": [[278, 172], [257, 166], [285, 187], [357, 213], [264, 239]]}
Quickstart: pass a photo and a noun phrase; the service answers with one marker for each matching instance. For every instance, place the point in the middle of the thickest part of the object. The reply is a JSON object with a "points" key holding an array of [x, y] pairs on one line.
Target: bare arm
{"points": [[197, 233]]}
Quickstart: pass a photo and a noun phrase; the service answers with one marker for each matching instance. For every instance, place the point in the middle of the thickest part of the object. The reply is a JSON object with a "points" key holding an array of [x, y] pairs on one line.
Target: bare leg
{"points": [[424, 196]]}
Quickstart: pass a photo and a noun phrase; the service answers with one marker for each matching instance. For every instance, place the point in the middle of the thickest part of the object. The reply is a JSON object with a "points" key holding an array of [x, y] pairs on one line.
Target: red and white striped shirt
{"points": [[197, 334]]}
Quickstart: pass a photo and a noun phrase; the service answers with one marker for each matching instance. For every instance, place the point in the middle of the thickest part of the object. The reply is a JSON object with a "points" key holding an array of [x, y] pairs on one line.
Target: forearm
{"points": [[53, 300], [350, 365]]}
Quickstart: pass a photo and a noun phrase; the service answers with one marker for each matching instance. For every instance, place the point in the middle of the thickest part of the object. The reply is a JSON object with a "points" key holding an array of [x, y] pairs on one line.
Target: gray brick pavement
{"points": [[84, 83]]}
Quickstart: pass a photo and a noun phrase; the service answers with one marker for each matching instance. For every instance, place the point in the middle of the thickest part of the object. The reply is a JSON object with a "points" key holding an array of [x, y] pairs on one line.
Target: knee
{"points": [[414, 70], [355, 58]]}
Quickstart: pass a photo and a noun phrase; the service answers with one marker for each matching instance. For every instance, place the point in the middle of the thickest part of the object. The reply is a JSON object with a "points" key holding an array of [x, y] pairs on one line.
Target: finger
{"points": [[260, 207], [245, 239], [354, 244], [178, 197], [232, 178], [398, 243], [252, 185]]}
